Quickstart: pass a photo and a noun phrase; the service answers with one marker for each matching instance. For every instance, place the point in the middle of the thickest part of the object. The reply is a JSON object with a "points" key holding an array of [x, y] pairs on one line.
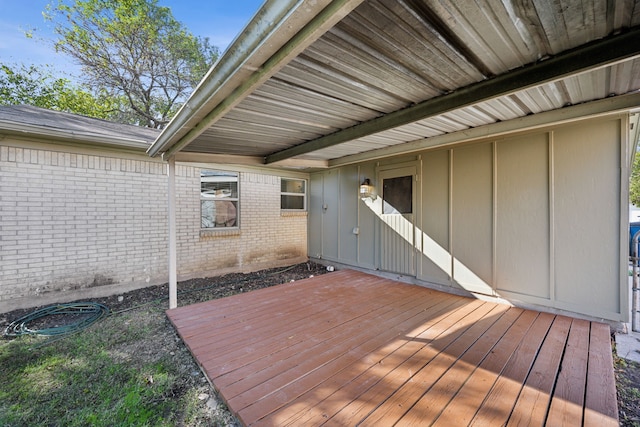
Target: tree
{"points": [[133, 49], [634, 185], [30, 85]]}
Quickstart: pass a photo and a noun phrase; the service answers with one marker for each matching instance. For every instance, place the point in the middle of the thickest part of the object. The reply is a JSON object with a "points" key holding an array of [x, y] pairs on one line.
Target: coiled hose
{"points": [[94, 312]]}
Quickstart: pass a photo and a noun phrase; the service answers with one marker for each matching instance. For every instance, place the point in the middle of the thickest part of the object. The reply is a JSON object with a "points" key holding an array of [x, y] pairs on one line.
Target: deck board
{"points": [[533, 402], [333, 394], [467, 401], [497, 406], [568, 396], [600, 398], [332, 344], [348, 348]]}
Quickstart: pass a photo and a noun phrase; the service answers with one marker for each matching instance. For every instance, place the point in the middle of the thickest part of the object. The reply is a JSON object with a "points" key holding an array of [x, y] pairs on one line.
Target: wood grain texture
{"points": [[348, 348]]}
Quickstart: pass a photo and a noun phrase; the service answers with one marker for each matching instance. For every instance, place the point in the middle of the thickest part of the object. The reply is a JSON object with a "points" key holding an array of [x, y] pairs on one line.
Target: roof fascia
{"points": [[598, 54], [271, 23], [592, 109], [34, 131]]}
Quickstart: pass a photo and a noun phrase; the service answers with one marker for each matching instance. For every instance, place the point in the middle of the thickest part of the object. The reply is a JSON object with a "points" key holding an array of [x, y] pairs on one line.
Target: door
{"points": [[397, 228]]}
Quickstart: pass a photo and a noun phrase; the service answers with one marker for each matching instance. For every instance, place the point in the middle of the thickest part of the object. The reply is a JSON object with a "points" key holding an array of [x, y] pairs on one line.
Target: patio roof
{"points": [[348, 348], [332, 82]]}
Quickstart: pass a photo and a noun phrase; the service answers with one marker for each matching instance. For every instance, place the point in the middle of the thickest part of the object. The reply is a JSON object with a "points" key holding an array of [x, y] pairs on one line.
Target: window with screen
{"points": [[219, 206]]}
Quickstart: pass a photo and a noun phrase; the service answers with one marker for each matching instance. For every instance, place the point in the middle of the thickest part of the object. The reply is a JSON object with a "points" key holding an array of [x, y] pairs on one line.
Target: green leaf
{"points": [[134, 50]]}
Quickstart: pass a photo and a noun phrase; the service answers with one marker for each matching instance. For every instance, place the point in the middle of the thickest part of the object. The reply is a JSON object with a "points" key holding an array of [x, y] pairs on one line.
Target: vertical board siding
{"points": [[316, 199], [330, 215], [435, 262], [472, 217], [349, 188], [587, 214], [534, 218], [522, 235]]}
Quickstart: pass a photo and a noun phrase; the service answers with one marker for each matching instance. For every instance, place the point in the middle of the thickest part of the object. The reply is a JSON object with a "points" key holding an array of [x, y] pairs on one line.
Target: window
{"points": [[218, 199], [293, 194], [397, 194]]}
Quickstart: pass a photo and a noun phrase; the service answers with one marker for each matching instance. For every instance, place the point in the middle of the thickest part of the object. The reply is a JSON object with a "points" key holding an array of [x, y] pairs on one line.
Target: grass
{"points": [[131, 369], [127, 370]]}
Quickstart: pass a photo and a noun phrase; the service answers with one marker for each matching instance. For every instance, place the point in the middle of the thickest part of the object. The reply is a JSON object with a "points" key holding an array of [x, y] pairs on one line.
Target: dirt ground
{"points": [[628, 385], [203, 289], [193, 291], [147, 306]]}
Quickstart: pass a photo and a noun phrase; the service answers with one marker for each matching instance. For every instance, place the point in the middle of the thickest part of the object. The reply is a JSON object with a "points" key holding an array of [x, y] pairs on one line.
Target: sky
{"points": [[219, 20]]}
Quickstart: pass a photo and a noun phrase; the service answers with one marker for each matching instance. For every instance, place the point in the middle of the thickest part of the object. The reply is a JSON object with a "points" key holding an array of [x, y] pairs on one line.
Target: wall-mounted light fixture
{"points": [[366, 189]]}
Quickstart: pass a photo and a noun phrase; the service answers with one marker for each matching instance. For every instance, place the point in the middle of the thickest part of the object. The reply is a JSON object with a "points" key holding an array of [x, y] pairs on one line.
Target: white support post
{"points": [[173, 263]]}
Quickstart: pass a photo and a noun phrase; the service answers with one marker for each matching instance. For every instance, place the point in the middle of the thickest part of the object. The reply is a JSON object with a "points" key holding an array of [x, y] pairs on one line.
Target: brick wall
{"points": [[71, 221], [265, 236], [75, 224]]}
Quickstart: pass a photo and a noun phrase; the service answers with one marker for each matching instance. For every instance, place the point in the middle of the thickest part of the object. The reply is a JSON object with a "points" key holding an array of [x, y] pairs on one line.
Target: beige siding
{"points": [[522, 216], [472, 217], [436, 263], [348, 215], [330, 215], [367, 224], [532, 218], [316, 199], [586, 161]]}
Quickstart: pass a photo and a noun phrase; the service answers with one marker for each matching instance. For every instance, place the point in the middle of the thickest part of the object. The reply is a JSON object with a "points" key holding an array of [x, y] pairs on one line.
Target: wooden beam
{"points": [[591, 56]]}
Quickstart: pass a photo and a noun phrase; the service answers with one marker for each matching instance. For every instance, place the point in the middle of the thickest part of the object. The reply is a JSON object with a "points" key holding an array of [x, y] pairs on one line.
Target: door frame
{"points": [[411, 168]]}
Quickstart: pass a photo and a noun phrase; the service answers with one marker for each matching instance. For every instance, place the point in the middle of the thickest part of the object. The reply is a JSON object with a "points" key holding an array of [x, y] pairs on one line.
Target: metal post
{"points": [[635, 288], [173, 263]]}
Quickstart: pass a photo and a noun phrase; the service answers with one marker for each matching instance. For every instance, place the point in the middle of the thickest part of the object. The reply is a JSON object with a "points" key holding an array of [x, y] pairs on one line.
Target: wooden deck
{"points": [[347, 348]]}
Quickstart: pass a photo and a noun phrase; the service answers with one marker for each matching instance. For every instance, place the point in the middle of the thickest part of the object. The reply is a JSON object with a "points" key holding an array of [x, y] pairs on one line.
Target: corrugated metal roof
{"points": [[389, 55]]}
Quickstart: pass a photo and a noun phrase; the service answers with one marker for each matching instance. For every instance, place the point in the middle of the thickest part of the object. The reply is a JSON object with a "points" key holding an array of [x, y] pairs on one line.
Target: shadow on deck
{"points": [[348, 348]]}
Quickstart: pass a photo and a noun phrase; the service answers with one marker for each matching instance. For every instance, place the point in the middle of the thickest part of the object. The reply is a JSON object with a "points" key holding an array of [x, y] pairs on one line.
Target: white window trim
{"points": [[209, 231], [303, 195]]}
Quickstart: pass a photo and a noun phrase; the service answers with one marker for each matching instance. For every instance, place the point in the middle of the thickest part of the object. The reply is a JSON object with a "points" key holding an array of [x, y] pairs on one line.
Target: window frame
{"points": [[400, 201], [303, 194], [232, 177]]}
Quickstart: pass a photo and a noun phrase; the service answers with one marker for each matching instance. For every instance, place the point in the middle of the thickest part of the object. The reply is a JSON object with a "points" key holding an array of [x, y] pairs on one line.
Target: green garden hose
{"points": [[92, 310]]}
